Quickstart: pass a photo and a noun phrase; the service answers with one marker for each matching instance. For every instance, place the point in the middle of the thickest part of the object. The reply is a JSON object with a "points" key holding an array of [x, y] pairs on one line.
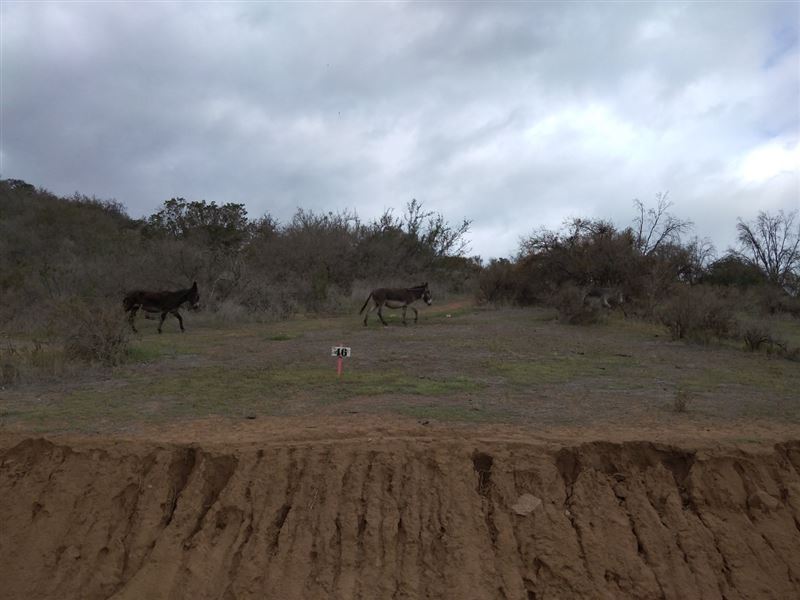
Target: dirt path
{"points": [[374, 507]]}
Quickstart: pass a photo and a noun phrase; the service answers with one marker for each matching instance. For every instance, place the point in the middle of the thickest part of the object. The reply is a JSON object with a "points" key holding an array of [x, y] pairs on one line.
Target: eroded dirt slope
{"points": [[398, 518]]}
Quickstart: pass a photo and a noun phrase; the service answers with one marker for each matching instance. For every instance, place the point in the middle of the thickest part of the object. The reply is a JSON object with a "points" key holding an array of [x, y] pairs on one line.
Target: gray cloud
{"points": [[514, 115]]}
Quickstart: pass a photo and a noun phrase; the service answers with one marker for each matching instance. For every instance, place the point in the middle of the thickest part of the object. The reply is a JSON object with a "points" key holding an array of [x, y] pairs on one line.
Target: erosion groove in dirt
{"points": [[398, 519]]}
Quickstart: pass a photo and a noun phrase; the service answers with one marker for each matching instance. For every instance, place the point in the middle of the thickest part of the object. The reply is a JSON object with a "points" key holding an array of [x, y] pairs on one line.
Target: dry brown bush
{"points": [[24, 361], [755, 334], [93, 331], [568, 300], [697, 313], [681, 400]]}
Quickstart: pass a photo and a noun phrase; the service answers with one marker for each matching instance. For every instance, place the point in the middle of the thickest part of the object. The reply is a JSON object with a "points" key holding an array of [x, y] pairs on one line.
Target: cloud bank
{"points": [[514, 115]]}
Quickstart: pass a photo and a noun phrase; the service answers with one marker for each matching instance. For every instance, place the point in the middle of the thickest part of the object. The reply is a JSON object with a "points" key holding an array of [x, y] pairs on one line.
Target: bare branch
{"points": [[654, 227], [772, 244]]}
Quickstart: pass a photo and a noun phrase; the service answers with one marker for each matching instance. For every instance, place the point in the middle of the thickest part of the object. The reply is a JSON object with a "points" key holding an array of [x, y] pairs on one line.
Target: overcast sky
{"points": [[514, 115]]}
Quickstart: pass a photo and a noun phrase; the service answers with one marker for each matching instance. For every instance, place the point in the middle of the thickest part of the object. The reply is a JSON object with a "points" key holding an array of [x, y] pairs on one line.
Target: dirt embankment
{"points": [[400, 518]]}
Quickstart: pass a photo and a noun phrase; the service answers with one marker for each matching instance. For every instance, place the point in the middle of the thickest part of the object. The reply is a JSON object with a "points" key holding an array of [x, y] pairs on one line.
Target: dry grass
{"points": [[492, 365]]}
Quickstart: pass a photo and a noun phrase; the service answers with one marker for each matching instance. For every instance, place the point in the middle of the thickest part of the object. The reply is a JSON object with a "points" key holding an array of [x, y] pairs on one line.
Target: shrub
{"points": [[9, 373], [760, 334], [755, 334], [498, 282], [681, 401], [268, 300], [93, 331], [21, 361], [229, 311], [774, 300], [697, 313], [792, 354], [568, 300]]}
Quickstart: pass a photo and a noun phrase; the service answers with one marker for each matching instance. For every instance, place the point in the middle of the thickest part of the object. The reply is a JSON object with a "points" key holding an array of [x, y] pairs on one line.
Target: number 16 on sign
{"points": [[340, 352]]}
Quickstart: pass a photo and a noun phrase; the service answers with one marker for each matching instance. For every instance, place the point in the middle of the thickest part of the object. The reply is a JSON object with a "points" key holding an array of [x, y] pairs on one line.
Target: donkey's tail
{"points": [[365, 303]]}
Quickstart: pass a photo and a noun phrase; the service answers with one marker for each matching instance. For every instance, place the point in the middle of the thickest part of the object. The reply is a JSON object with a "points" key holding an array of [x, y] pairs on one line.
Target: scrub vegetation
{"points": [[65, 264]]}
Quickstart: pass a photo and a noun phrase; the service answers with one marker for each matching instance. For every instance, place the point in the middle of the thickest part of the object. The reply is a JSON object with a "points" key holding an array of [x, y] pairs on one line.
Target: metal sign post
{"points": [[340, 352]]}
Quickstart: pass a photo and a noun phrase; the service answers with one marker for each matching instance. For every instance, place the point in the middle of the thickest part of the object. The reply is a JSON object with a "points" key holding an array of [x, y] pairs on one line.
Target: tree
{"points": [[732, 269], [224, 225], [653, 227], [772, 243], [699, 255], [585, 252], [434, 233]]}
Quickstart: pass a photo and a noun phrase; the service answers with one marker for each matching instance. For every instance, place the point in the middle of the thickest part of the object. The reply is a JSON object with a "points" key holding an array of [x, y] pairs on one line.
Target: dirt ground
{"points": [[484, 455], [370, 507]]}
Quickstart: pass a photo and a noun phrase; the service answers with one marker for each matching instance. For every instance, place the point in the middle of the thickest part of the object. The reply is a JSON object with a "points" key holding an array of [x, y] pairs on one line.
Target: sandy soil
{"points": [[382, 507]]}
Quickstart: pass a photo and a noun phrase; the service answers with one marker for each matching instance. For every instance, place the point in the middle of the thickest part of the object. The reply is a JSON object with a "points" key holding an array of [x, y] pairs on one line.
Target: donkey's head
{"points": [[427, 297], [194, 297]]}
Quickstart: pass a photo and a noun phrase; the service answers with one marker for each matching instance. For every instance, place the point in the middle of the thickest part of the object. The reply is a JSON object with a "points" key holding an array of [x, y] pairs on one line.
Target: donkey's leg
{"points": [[416, 314], [405, 306], [161, 322], [369, 310], [380, 314], [131, 317], [178, 316]]}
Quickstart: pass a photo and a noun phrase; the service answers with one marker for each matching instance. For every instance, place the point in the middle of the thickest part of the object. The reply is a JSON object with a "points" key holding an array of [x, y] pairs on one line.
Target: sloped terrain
{"points": [[398, 517]]}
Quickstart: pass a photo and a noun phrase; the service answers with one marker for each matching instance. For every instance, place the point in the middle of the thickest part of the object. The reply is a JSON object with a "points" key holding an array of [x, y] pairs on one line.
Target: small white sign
{"points": [[342, 351]]}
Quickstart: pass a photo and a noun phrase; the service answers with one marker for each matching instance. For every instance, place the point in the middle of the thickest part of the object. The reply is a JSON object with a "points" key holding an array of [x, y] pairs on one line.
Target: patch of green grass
{"points": [[174, 343], [280, 337], [782, 377], [80, 411], [204, 391], [560, 368], [151, 349], [301, 324], [144, 353], [395, 382], [323, 383], [788, 328], [32, 359]]}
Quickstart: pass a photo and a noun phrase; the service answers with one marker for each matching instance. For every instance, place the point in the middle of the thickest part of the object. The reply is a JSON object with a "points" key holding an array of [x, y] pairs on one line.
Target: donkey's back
{"points": [[403, 295]]}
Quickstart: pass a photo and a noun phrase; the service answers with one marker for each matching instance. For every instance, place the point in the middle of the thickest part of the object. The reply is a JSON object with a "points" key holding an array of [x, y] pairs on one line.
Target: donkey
{"points": [[605, 297], [160, 302], [397, 298]]}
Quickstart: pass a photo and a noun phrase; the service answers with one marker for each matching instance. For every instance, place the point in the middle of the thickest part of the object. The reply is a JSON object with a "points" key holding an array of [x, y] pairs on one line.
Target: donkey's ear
{"points": [[194, 285]]}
